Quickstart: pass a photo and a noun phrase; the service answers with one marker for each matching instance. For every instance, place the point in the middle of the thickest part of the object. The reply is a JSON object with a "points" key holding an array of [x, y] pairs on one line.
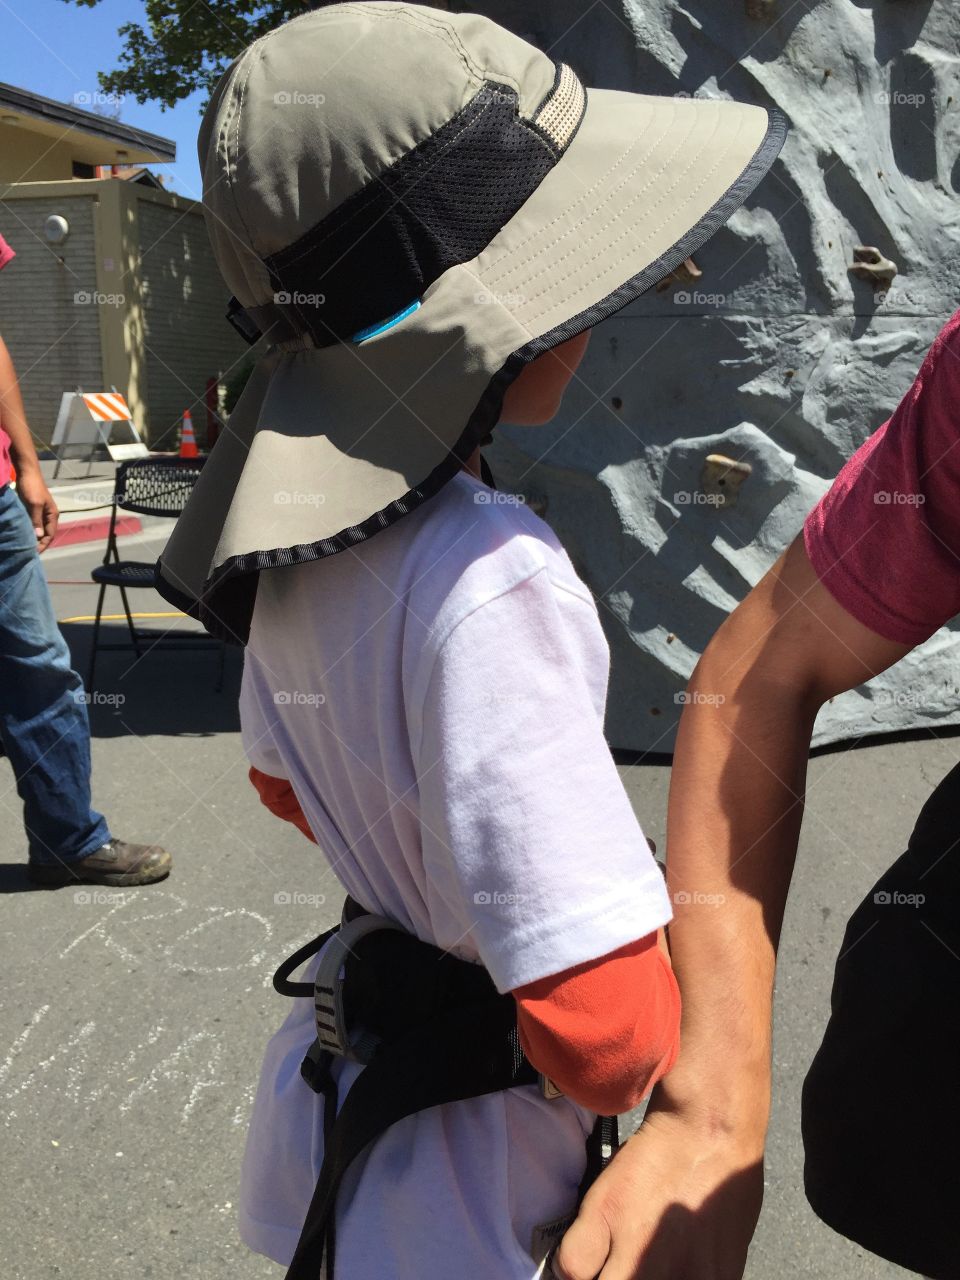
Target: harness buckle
{"points": [[333, 1034]]}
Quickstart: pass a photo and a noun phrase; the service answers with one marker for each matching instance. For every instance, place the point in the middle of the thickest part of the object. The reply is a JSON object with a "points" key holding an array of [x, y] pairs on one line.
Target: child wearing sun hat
{"points": [[422, 216]]}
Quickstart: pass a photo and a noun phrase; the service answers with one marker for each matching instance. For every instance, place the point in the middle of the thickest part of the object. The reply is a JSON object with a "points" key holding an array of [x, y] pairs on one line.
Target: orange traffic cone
{"points": [[188, 441]]}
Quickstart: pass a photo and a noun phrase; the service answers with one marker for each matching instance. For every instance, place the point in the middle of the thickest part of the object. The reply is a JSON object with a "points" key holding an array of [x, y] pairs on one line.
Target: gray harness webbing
{"points": [[429, 1028]]}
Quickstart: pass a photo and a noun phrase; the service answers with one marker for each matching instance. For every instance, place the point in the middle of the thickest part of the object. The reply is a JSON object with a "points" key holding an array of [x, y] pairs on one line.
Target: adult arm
{"points": [[683, 1196], [878, 571], [31, 486]]}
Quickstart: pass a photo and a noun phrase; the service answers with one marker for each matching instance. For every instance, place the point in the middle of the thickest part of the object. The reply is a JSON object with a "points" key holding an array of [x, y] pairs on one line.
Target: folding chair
{"points": [[153, 487]]}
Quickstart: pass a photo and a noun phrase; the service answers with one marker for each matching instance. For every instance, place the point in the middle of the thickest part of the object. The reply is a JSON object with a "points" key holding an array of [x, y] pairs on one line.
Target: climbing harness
{"points": [[428, 1027]]}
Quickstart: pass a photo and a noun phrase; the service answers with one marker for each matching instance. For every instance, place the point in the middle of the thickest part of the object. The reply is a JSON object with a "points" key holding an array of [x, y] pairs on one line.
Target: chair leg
{"points": [[96, 636], [133, 630], [218, 687]]}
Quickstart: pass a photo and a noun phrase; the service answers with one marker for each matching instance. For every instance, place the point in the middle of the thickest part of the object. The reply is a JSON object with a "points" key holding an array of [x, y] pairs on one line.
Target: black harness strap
{"points": [[446, 1035]]}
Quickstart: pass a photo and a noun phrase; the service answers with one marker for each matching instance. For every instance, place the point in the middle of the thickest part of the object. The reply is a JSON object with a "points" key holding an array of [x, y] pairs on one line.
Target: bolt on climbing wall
{"points": [[711, 415]]}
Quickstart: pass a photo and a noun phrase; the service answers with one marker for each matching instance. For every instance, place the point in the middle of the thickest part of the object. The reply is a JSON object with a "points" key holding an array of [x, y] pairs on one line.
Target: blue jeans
{"points": [[43, 709]]}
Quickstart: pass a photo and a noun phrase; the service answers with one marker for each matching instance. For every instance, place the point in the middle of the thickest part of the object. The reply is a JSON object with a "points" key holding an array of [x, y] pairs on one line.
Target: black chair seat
{"points": [[127, 573], [153, 486]]}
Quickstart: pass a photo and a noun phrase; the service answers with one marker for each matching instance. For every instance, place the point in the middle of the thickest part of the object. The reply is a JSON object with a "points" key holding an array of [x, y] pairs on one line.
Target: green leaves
{"points": [[185, 45]]}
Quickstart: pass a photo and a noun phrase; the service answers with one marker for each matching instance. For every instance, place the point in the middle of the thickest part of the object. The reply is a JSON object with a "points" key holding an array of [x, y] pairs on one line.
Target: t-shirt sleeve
{"points": [[528, 835], [258, 715], [885, 538]]}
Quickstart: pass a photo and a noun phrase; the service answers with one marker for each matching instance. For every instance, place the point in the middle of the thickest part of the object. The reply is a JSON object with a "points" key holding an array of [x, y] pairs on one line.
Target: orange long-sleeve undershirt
{"points": [[604, 1032]]}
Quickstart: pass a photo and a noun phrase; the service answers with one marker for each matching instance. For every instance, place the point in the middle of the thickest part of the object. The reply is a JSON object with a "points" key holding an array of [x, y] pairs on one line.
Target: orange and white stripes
{"points": [[107, 406]]}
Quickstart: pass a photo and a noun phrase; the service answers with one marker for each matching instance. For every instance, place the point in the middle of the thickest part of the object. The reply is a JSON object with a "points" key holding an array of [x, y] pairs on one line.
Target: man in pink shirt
{"points": [[43, 714], [875, 572]]}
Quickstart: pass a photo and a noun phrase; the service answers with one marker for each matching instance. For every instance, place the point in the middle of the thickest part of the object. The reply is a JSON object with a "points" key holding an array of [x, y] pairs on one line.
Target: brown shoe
{"points": [[116, 863]]}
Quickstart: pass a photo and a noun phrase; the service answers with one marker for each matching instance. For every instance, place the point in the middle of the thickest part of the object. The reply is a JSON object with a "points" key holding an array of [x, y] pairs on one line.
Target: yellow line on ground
{"points": [[121, 617]]}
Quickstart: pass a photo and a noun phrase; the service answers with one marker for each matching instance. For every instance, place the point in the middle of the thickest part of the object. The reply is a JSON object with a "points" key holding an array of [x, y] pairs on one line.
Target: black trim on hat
{"points": [[226, 609]]}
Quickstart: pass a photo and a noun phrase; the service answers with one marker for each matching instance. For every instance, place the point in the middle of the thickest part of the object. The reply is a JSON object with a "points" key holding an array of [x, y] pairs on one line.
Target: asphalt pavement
{"points": [[132, 1022]]}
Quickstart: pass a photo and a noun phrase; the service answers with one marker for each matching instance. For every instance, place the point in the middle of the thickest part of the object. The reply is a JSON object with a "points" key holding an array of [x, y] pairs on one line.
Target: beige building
{"points": [[114, 283]]}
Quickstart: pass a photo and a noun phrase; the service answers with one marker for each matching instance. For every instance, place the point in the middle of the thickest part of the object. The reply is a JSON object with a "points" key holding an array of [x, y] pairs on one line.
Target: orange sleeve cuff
{"points": [[604, 1032], [278, 795]]}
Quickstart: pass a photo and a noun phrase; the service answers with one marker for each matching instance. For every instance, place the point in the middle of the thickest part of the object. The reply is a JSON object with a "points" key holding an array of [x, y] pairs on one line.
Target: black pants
{"points": [[881, 1103]]}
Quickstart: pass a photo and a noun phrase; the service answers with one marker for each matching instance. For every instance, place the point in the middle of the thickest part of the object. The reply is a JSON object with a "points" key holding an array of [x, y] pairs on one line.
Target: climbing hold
{"points": [[722, 477], [761, 9], [686, 273], [870, 264]]}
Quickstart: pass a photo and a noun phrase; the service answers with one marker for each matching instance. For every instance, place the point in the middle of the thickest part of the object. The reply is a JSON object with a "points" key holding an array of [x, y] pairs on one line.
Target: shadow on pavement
{"points": [[165, 691], [13, 878]]}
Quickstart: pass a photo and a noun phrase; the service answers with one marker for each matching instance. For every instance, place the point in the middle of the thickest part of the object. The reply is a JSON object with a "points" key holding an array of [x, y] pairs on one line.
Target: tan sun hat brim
{"points": [[328, 446]]}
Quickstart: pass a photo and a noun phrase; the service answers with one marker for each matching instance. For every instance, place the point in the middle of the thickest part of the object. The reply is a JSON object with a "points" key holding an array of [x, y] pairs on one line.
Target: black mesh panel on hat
{"points": [[439, 205]]}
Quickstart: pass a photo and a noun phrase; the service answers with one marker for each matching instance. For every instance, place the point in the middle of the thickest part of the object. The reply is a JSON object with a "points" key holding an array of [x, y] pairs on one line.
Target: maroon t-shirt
{"points": [[885, 539]]}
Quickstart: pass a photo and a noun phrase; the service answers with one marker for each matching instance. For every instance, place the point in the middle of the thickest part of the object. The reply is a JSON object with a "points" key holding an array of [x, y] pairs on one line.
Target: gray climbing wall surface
{"points": [[776, 356]]}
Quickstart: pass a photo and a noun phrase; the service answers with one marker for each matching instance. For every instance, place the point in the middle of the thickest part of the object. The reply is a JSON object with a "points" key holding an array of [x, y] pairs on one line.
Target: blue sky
{"points": [[56, 49]]}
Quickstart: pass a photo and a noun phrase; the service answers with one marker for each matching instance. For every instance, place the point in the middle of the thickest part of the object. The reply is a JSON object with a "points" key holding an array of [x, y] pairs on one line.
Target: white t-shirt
{"points": [[436, 697]]}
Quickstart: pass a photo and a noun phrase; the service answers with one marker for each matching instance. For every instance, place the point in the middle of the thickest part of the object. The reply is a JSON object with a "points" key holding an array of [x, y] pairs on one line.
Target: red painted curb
{"points": [[95, 530]]}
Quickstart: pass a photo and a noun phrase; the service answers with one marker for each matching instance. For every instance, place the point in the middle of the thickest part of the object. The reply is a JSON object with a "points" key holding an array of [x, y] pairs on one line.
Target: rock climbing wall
{"points": [[776, 355]]}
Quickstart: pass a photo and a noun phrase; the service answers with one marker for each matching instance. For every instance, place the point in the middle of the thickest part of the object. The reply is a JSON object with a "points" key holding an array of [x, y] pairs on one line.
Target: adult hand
{"points": [[680, 1201], [36, 497]]}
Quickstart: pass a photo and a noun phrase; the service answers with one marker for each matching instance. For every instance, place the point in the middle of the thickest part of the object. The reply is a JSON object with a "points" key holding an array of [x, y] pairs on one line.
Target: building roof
{"points": [[98, 139]]}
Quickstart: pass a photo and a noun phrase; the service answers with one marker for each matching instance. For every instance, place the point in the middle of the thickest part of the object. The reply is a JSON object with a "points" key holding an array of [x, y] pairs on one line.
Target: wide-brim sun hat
{"points": [[409, 206]]}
